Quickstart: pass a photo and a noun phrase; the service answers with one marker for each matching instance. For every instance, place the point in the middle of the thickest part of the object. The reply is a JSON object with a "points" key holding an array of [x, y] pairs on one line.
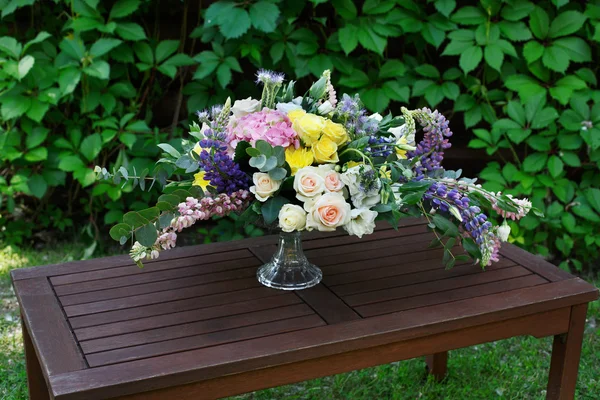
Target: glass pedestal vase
{"points": [[289, 269]]}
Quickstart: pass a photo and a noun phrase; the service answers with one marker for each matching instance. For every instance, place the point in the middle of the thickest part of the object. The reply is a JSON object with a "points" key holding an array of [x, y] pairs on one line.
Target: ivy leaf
{"points": [[445, 7], [517, 10], [348, 36], [103, 46], [532, 51], [91, 146], [130, 31], [237, 23], [592, 195], [223, 75], [577, 49], [10, 46], [123, 8], [345, 8], [555, 166], [470, 59], [566, 23], [14, 106], [555, 59], [428, 70], [164, 49], [434, 95], [37, 185], [358, 79], [515, 31], [392, 69], [535, 162], [98, 69], [264, 16], [371, 40], [25, 65], [375, 99], [539, 22], [469, 16], [494, 56], [395, 91]]}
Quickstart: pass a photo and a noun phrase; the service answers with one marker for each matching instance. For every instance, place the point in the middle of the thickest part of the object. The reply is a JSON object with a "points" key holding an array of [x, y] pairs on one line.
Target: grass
{"points": [[516, 368]]}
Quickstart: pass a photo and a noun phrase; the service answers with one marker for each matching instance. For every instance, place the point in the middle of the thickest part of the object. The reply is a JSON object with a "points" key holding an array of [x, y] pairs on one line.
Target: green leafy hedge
{"points": [[85, 82]]}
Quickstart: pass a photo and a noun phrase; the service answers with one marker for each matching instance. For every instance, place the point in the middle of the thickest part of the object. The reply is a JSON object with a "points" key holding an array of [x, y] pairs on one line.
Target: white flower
{"points": [[204, 128], [264, 186], [245, 107], [377, 117], [325, 108], [503, 231], [361, 198], [328, 212], [292, 218], [287, 107], [333, 182], [362, 222], [308, 184]]}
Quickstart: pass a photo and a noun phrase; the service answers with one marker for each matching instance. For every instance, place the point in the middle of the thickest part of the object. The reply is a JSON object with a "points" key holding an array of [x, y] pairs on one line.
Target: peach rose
{"points": [[308, 183], [333, 182], [328, 212]]}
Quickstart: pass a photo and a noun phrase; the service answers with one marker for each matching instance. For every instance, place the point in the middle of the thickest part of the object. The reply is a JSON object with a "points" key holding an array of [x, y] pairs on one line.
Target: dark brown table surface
{"points": [[196, 323]]}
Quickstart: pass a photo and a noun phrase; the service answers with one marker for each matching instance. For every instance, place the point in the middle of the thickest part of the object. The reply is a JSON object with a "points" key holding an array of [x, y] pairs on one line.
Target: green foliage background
{"points": [[85, 83]]}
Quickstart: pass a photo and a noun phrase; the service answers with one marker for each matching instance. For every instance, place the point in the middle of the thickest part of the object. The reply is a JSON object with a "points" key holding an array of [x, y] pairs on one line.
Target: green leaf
{"points": [[237, 23], [577, 49], [103, 46], [592, 195], [457, 47], [494, 56], [123, 8], [555, 166], [445, 7], [130, 31], [571, 159], [120, 230], [25, 65], [144, 52], [469, 16], [371, 40], [91, 146], [392, 69], [147, 235], [566, 23], [376, 6], [10, 46], [37, 185], [345, 8], [348, 36], [99, 69], [395, 91], [263, 15], [278, 173], [586, 212], [447, 227], [37, 154], [434, 95], [517, 10], [172, 151], [556, 59], [14, 106], [36, 137], [515, 31], [270, 208], [223, 75], [539, 22], [535, 162], [532, 51], [470, 59], [544, 118], [428, 70], [375, 99], [70, 163], [358, 79], [164, 49]]}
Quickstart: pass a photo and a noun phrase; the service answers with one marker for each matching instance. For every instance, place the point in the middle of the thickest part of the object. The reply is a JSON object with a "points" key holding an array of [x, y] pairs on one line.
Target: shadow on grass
{"points": [[515, 368]]}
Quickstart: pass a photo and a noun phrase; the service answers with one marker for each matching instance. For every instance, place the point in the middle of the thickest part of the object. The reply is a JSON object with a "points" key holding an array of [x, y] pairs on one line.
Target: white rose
{"points": [[264, 186], [308, 183], [377, 117], [362, 222], [333, 182], [329, 212], [245, 107], [287, 107], [360, 198], [325, 108], [292, 218], [503, 232]]}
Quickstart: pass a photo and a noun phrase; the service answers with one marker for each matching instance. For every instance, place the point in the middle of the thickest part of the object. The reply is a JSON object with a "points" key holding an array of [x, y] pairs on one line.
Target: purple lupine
{"points": [[222, 172], [431, 148], [474, 222], [380, 146]]}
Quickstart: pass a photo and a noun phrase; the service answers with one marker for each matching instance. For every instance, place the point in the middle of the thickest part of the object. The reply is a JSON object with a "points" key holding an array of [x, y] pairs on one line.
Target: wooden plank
{"points": [[436, 287], [536, 264], [211, 362], [290, 373], [368, 283], [154, 275], [207, 340], [49, 331], [210, 262], [167, 307], [329, 306], [183, 317], [449, 296], [210, 281], [36, 383], [160, 297]]}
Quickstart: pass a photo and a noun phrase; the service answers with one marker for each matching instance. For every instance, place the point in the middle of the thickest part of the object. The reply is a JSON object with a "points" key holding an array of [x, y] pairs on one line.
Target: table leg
{"points": [[38, 390], [437, 365], [566, 351]]}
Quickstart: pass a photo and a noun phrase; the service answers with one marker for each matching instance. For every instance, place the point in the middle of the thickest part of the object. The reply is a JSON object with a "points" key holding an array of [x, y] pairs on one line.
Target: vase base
{"points": [[289, 278]]}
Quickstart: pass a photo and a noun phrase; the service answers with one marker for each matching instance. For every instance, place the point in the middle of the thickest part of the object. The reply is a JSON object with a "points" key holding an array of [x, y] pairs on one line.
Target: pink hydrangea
{"points": [[269, 125]]}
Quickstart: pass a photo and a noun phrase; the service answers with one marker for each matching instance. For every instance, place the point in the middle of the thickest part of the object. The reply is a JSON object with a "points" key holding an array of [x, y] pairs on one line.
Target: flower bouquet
{"points": [[313, 162]]}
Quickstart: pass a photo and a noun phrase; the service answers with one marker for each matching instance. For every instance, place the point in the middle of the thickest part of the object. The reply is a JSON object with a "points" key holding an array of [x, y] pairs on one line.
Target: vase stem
{"points": [[289, 269]]}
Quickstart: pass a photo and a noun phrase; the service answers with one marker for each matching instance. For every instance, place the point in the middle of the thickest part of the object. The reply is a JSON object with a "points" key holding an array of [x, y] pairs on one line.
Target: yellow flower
{"points": [[197, 148], [351, 164], [200, 181], [309, 127], [298, 158], [325, 151], [336, 132], [292, 115], [384, 172], [400, 153]]}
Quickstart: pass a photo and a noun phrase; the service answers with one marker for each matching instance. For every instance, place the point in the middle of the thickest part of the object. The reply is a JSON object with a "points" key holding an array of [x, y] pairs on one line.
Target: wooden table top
{"points": [[104, 326]]}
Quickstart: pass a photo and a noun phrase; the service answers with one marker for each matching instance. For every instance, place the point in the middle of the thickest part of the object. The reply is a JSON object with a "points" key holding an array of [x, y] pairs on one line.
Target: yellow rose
{"points": [[309, 127], [336, 132], [325, 151], [292, 115], [298, 158], [200, 181]]}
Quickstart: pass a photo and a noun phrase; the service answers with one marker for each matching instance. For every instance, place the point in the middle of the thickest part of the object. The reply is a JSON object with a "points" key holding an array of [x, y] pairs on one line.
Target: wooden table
{"points": [[195, 324]]}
